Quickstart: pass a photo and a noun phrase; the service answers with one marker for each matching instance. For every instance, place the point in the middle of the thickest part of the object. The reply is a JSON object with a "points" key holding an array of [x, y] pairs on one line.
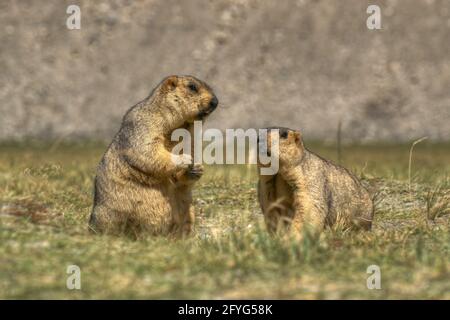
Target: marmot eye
{"points": [[284, 134], [193, 87]]}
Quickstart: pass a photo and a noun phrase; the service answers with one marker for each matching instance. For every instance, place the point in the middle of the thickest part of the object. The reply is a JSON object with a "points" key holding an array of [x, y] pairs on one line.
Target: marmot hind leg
{"points": [[105, 220]]}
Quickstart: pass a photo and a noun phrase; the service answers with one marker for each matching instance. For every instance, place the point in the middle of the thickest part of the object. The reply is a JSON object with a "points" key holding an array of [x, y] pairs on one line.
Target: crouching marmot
{"points": [[139, 187], [309, 191]]}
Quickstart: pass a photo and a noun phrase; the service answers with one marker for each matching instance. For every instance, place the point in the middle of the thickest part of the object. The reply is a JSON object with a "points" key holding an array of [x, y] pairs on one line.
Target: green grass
{"points": [[46, 196]]}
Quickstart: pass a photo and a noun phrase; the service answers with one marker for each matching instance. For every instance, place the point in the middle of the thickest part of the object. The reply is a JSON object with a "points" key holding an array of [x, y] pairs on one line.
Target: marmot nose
{"points": [[213, 103]]}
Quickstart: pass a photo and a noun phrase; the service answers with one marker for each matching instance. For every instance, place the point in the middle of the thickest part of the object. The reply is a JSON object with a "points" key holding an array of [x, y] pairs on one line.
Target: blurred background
{"points": [[298, 63]]}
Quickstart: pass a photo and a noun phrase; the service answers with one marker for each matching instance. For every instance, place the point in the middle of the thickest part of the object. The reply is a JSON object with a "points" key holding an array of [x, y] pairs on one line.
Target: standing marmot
{"points": [[139, 187], [309, 191]]}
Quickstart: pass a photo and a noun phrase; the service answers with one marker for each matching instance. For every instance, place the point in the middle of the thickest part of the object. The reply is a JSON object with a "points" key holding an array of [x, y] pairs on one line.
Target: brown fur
{"points": [[311, 192], [138, 187], [275, 198]]}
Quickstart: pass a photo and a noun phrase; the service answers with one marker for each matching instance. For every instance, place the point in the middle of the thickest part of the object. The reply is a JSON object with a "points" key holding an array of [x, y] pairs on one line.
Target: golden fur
{"points": [[138, 186], [309, 191]]}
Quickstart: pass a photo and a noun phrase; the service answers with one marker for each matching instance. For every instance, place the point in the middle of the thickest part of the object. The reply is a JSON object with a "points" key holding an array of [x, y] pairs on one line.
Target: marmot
{"points": [[139, 187], [309, 191]]}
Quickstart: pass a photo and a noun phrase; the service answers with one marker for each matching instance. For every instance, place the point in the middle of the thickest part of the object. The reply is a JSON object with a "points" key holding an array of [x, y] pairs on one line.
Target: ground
{"points": [[46, 197]]}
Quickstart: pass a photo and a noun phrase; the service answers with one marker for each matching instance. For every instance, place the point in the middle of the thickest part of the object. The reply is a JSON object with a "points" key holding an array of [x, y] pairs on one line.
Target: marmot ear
{"points": [[170, 83], [297, 137]]}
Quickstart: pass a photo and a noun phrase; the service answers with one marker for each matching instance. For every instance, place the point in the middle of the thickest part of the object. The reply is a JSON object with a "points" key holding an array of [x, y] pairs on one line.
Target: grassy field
{"points": [[46, 196]]}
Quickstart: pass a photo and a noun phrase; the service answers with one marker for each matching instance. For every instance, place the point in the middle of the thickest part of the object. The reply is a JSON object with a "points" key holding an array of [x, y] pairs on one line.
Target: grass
{"points": [[46, 196]]}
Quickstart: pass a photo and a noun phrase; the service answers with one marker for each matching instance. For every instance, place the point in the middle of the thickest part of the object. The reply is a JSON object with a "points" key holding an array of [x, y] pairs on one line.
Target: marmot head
{"points": [[290, 144], [187, 98]]}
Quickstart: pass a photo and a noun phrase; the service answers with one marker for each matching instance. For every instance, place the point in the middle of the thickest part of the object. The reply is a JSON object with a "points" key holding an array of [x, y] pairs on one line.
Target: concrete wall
{"points": [[303, 64]]}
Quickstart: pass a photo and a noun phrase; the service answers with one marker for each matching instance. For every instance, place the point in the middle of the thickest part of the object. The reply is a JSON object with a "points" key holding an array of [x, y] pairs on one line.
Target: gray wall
{"points": [[303, 64]]}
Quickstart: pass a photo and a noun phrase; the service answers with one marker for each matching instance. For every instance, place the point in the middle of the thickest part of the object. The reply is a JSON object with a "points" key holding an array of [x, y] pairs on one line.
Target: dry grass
{"points": [[45, 199]]}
